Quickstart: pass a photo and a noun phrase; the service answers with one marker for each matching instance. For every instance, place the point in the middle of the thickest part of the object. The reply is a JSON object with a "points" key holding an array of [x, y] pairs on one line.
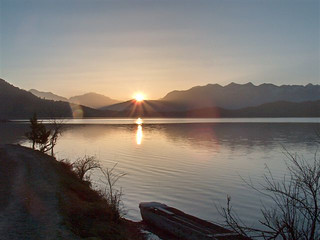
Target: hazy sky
{"points": [[119, 47]]}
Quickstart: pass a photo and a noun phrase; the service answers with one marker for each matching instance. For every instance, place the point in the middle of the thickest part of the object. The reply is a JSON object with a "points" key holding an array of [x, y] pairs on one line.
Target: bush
{"points": [[86, 211], [296, 214], [83, 167]]}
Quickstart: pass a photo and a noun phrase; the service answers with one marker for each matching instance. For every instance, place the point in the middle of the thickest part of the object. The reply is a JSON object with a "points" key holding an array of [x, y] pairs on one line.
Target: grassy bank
{"points": [[43, 198], [86, 211]]}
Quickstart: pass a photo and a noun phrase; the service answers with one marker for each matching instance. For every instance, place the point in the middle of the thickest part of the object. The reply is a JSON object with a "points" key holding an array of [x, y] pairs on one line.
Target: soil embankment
{"points": [[41, 198], [29, 207]]}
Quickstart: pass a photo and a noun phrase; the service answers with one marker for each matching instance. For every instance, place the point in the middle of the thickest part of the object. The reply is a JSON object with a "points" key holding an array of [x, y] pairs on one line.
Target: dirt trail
{"points": [[29, 190]]}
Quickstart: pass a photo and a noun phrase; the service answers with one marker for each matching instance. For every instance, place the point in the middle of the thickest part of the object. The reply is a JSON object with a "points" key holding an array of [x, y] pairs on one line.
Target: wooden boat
{"points": [[182, 225]]}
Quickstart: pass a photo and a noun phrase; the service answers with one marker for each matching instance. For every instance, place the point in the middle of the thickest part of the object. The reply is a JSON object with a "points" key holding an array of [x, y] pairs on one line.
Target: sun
{"points": [[139, 97]]}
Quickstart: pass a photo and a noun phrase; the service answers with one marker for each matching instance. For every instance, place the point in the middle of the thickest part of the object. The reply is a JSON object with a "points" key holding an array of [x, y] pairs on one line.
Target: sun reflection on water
{"points": [[139, 133], [139, 121]]}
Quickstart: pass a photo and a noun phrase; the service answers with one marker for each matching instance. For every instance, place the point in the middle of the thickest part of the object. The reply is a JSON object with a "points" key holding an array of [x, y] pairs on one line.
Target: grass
{"points": [[87, 213]]}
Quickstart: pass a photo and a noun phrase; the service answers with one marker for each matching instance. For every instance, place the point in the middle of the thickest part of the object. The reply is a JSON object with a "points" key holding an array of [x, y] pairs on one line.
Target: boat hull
{"points": [[182, 225]]}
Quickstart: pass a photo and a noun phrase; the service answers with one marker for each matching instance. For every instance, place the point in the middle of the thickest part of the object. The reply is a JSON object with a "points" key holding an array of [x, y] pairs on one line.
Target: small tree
{"points": [[33, 134], [56, 131], [45, 139], [38, 134]]}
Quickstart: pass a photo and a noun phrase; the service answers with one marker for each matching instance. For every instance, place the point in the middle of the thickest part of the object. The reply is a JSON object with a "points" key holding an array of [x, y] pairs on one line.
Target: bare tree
{"points": [[296, 214], [42, 138], [83, 166], [113, 195], [56, 131]]}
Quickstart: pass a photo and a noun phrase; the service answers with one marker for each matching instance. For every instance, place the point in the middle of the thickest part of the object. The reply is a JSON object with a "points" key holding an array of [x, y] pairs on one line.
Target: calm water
{"points": [[186, 163]]}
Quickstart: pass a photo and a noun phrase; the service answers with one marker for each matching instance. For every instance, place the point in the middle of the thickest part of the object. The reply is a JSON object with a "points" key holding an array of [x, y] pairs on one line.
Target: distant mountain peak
{"points": [[249, 84], [48, 95], [90, 99], [213, 85], [235, 95], [267, 84], [94, 100], [232, 84], [18, 103], [89, 93]]}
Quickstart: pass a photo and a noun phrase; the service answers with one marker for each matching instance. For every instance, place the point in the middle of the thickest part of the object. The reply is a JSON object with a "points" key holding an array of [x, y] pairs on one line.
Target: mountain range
{"points": [[274, 109], [234, 100], [92, 100], [17, 103], [232, 97], [48, 95], [236, 96]]}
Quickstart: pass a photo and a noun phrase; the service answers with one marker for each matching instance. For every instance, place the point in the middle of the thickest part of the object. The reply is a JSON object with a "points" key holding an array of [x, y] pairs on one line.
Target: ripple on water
{"points": [[190, 166]]}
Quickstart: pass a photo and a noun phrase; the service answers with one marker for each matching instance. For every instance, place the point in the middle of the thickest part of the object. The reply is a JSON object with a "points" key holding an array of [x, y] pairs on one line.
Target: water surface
{"points": [[186, 163]]}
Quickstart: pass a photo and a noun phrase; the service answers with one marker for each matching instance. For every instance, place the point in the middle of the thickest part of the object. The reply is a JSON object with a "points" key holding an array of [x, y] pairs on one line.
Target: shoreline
{"points": [[42, 198]]}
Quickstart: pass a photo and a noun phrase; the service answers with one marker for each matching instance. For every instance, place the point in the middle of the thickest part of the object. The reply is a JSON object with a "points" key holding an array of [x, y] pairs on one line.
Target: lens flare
{"points": [[76, 110]]}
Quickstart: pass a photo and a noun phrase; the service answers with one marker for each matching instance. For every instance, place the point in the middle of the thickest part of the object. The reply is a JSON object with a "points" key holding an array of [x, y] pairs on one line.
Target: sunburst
{"points": [[139, 97]]}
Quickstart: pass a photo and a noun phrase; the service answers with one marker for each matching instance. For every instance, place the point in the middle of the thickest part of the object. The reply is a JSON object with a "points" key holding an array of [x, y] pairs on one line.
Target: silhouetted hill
{"points": [[275, 109], [236, 96], [146, 105], [18, 103], [93, 100], [48, 95]]}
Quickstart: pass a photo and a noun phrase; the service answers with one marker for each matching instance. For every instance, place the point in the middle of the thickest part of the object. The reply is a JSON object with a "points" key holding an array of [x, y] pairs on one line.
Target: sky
{"points": [[118, 48]]}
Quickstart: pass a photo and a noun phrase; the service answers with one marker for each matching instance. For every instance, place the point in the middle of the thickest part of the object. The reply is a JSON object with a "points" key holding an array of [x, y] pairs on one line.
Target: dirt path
{"points": [[29, 189]]}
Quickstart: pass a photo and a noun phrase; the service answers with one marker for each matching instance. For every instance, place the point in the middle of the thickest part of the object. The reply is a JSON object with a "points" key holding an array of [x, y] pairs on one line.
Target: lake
{"points": [[190, 164]]}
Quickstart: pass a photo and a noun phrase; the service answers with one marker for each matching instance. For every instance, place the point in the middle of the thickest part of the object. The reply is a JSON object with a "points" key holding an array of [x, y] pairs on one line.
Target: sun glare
{"points": [[139, 97], [139, 121], [139, 134]]}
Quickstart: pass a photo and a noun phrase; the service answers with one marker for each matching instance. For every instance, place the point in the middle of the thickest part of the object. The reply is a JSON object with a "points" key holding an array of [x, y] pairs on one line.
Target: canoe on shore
{"points": [[182, 225]]}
